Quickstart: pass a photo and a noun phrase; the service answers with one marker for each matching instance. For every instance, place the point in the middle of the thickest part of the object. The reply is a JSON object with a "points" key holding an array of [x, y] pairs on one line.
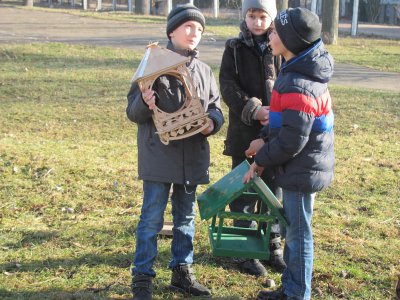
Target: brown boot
{"points": [[184, 280]]}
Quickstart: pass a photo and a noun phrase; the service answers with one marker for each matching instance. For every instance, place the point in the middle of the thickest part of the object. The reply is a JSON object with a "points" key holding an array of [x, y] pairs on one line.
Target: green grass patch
{"points": [[379, 54], [70, 197]]}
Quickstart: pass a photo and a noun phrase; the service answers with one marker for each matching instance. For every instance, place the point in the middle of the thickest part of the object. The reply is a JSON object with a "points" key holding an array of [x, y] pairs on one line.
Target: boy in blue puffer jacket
{"points": [[300, 142]]}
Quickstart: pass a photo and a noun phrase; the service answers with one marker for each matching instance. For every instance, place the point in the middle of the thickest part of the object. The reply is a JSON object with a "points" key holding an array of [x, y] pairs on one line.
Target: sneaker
{"points": [[253, 267], [142, 287], [184, 280]]}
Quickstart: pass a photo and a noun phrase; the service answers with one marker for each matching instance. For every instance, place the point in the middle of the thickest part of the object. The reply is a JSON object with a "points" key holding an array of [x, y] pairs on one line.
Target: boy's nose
{"points": [[195, 33]]}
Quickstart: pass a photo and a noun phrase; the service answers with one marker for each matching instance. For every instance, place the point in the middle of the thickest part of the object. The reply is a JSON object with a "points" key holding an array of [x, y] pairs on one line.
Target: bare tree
{"points": [[330, 21], [29, 3], [233, 3], [282, 5], [295, 3], [373, 10], [142, 7]]}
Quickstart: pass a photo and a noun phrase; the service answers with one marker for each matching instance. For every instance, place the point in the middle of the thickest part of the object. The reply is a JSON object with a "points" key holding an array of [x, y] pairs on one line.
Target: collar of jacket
{"points": [[188, 53], [301, 55], [315, 63]]}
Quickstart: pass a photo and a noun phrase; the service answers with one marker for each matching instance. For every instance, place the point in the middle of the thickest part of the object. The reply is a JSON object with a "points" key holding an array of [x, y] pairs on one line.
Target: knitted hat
{"points": [[269, 6], [182, 14], [297, 28]]}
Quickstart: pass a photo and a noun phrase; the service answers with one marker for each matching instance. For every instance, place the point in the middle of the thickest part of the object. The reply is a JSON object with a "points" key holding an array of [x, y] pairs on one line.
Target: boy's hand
{"points": [[254, 169], [210, 128], [263, 115], [149, 98], [255, 145]]}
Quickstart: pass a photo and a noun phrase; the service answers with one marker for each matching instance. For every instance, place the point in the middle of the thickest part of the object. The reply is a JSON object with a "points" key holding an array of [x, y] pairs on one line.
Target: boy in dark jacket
{"points": [[248, 71], [300, 140], [177, 167]]}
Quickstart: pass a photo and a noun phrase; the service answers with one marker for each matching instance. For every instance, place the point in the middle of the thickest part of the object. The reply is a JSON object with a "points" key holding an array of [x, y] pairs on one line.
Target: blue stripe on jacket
{"points": [[322, 123]]}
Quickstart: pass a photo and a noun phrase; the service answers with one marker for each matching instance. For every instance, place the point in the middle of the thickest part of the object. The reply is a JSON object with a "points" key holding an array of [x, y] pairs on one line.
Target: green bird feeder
{"points": [[233, 241]]}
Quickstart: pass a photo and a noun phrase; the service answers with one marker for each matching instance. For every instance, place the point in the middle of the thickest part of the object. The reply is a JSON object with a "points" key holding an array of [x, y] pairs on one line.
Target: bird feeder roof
{"points": [[157, 60], [230, 187]]}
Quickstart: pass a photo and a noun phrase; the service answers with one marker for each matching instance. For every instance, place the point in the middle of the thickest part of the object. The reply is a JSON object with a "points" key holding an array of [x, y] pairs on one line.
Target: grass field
{"points": [[379, 54], [70, 197]]}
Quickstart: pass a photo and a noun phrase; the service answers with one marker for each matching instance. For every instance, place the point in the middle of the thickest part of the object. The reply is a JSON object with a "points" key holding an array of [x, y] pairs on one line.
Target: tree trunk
{"points": [[314, 6], [142, 7], [216, 8], [282, 5], [330, 21], [295, 3], [29, 3]]}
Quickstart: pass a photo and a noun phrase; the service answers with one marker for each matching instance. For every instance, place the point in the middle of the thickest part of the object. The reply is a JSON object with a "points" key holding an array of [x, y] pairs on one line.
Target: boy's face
{"points": [[187, 36], [258, 21], [276, 44]]}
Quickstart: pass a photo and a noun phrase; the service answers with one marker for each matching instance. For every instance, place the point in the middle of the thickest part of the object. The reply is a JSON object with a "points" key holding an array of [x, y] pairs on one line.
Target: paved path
{"points": [[27, 26], [376, 30]]}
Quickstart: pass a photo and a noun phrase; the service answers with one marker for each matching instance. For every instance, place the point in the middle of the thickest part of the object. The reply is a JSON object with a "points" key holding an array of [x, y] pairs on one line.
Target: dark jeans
{"points": [[155, 198]]}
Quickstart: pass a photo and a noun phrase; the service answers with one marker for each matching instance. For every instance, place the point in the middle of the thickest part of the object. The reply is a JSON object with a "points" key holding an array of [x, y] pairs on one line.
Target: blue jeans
{"points": [[151, 221], [299, 248]]}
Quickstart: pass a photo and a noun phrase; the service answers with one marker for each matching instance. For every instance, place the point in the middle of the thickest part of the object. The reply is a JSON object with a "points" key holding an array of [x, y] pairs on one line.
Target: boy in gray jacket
{"points": [[181, 165]]}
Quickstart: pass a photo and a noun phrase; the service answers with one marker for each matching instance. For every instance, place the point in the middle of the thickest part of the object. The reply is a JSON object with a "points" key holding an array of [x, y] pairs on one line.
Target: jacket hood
{"points": [[245, 35], [314, 62]]}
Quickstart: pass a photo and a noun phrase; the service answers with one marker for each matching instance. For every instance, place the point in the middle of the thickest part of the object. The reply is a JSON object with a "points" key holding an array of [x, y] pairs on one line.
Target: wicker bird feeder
{"points": [[191, 117]]}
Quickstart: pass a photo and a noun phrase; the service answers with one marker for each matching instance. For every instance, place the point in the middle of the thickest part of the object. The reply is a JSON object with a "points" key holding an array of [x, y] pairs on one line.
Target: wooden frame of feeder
{"points": [[191, 117], [237, 241]]}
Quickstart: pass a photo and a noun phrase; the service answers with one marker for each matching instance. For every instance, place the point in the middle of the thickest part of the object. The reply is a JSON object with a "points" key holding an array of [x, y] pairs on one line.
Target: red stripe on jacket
{"points": [[300, 102]]}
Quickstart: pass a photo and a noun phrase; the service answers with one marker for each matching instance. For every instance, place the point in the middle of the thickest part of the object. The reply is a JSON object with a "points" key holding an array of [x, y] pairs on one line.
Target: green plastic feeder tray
{"points": [[233, 241]]}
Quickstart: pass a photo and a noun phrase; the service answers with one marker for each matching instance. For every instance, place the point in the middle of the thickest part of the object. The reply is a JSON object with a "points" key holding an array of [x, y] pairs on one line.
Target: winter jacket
{"points": [[300, 146], [184, 161], [246, 79]]}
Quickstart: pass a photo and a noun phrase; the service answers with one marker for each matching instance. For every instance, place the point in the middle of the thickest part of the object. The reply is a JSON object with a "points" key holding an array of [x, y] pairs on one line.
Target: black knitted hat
{"points": [[182, 14], [298, 28]]}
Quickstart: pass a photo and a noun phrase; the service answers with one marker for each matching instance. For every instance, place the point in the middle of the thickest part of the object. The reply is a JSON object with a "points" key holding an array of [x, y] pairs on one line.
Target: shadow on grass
{"points": [[226, 263], [120, 260], [33, 238], [54, 294], [118, 288], [61, 294]]}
